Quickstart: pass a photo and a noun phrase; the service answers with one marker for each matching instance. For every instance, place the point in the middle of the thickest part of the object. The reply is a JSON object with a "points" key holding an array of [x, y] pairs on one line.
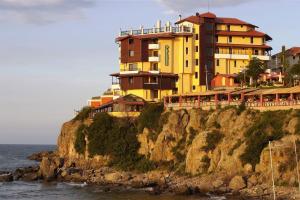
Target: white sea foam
{"points": [[77, 184]]}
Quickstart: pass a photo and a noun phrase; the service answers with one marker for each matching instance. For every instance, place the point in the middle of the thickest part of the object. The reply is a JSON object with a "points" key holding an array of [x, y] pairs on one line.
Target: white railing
{"points": [[153, 46], [166, 29]]}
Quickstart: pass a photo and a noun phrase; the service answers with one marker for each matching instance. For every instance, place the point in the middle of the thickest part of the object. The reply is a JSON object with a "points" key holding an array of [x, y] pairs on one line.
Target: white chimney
{"points": [[179, 17], [158, 24]]}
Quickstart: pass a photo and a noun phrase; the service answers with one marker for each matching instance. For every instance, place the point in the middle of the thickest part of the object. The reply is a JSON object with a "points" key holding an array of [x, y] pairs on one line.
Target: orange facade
{"points": [[224, 81], [97, 102]]}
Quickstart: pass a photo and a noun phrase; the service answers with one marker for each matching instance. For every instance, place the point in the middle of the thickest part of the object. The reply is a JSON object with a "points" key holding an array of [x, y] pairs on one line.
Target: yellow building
{"points": [[184, 58]]}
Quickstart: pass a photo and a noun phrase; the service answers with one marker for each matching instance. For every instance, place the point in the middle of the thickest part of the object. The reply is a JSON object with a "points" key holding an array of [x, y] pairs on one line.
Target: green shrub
{"points": [[83, 114], [206, 162], [178, 151], [80, 143], [241, 108], [150, 117], [267, 128], [213, 139], [192, 135], [118, 139]]}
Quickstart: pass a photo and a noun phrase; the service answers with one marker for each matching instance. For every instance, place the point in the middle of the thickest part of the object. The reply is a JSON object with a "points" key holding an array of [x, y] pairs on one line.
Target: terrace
{"points": [[260, 99]]}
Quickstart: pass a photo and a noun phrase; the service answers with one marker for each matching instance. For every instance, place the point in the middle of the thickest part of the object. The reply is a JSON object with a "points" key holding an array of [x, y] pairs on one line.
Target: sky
{"points": [[56, 54]]}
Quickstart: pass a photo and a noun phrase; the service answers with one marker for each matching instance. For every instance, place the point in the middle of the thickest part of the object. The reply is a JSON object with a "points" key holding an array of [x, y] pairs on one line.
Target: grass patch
{"points": [[150, 117], [213, 139], [80, 143], [116, 138], [267, 128]]}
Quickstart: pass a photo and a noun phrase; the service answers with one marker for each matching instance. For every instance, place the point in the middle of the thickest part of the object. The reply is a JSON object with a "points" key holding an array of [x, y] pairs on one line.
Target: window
{"points": [[197, 36], [196, 75], [167, 54], [131, 53], [197, 48], [154, 80], [252, 39], [230, 50], [255, 52], [194, 87], [154, 94], [294, 57], [218, 62], [186, 50], [228, 27], [230, 39], [133, 67], [217, 39], [130, 41], [155, 53], [154, 67], [235, 63], [130, 80], [186, 39], [197, 62], [186, 63]]}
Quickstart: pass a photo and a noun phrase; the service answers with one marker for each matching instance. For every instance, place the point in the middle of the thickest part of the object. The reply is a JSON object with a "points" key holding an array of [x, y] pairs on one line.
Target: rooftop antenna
{"points": [[208, 5]]}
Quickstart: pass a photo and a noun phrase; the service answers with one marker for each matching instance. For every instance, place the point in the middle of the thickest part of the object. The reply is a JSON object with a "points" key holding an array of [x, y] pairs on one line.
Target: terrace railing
{"points": [[167, 29]]}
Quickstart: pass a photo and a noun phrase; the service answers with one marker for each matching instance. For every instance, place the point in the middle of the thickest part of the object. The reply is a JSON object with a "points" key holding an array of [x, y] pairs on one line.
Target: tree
{"points": [[292, 74], [255, 68]]}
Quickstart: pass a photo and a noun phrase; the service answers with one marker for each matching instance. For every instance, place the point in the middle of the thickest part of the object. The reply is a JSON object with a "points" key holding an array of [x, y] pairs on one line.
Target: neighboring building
{"points": [[126, 106], [225, 81], [108, 96], [289, 58], [184, 59], [272, 77]]}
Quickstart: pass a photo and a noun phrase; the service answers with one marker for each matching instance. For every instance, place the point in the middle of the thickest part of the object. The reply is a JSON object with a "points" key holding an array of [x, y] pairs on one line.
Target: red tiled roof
{"points": [[293, 51], [244, 46], [219, 20], [253, 33], [235, 21], [208, 15]]}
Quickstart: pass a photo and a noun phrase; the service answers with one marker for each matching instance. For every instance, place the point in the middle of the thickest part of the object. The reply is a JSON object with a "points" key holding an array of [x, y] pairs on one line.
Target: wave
{"points": [[77, 184]]}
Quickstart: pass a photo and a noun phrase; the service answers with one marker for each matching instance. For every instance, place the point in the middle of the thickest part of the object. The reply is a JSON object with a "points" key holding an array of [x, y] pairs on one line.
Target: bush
{"points": [[213, 139], [80, 143], [267, 128], [83, 114], [118, 139], [241, 108], [178, 151], [192, 135], [150, 117], [206, 162]]}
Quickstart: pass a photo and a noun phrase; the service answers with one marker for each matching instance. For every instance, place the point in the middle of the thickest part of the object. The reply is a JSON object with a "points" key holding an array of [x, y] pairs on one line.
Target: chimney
{"points": [[179, 17], [158, 24], [197, 14]]}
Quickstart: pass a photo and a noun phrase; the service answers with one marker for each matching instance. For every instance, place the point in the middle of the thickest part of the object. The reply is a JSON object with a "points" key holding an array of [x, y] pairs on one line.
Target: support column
{"points": [[277, 99], [216, 99], [291, 99], [229, 98], [261, 100], [199, 101], [242, 97], [180, 101]]}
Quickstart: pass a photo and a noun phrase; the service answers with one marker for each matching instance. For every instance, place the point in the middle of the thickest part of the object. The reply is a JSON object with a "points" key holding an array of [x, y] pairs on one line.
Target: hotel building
{"points": [[185, 58]]}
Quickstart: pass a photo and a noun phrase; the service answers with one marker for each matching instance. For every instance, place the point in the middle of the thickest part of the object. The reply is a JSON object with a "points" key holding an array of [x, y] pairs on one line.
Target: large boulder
{"points": [[6, 177], [237, 183], [49, 167], [39, 156]]}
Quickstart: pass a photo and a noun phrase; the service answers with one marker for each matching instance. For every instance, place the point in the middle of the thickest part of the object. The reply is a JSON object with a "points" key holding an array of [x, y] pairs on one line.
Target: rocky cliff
{"points": [[223, 148]]}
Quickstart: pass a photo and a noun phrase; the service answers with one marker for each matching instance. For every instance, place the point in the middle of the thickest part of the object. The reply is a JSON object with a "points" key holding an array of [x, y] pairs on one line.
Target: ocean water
{"points": [[14, 156]]}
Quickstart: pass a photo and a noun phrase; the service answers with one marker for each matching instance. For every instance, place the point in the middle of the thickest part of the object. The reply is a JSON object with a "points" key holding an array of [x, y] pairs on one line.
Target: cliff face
{"points": [[66, 147], [203, 143]]}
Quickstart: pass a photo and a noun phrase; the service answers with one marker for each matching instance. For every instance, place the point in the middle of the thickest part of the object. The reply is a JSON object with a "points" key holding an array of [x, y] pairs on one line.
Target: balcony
{"points": [[153, 46], [130, 70], [155, 30], [153, 59], [232, 56], [261, 57]]}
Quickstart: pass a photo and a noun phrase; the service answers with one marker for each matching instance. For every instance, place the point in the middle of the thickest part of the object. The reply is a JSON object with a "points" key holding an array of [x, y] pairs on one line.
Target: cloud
{"points": [[43, 11], [189, 5]]}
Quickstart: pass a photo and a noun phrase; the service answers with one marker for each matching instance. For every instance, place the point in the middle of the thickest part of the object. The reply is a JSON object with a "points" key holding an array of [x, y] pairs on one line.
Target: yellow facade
{"points": [[232, 55]]}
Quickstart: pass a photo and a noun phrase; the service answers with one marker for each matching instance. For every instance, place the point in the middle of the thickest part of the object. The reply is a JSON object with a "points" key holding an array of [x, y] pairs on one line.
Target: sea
{"points": [[14, 156]]}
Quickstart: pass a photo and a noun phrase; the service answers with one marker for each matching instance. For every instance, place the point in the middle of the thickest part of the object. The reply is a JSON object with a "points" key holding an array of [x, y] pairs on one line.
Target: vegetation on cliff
{"points": [[268, 126]]}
